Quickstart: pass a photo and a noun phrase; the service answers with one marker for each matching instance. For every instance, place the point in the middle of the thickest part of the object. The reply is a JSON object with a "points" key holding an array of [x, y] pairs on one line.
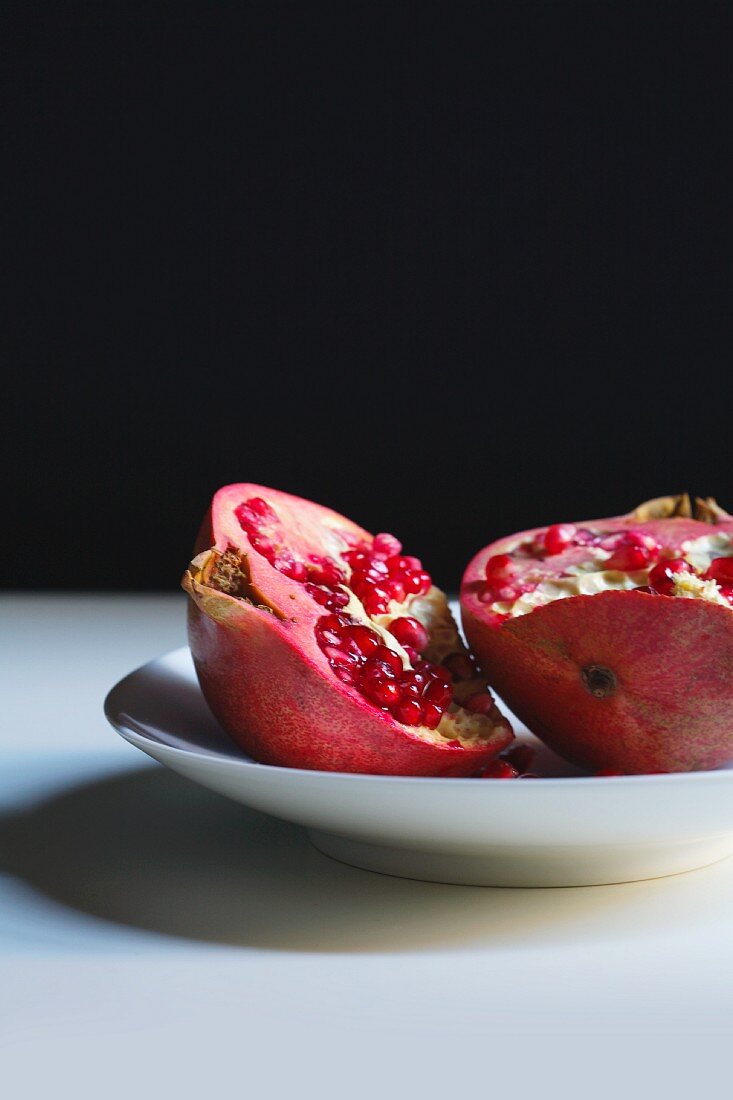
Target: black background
{"points": [[452, 269]]}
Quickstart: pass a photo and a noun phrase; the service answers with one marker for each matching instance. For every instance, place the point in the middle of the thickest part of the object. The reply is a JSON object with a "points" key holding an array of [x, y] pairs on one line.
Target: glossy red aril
{"points": [[631, 553], [660, 577], [520, 756], [479, 703], [409, 632], [606, 675], [318, 645], [499, 569], [559, 537], [721, 570], [500, 769]]}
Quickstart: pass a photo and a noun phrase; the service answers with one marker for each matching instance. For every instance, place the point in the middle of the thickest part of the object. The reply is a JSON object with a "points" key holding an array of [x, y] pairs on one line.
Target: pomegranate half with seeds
{"points": [[613, 639], [318, 645]]}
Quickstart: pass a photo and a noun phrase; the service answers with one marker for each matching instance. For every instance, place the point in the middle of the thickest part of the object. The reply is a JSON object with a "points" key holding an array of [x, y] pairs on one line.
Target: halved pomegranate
{"points": [[318, 645], [613, 639]]}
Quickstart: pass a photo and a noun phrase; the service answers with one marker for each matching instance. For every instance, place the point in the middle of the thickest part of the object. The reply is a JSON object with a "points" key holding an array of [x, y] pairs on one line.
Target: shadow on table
{"points": [[150, 850]]}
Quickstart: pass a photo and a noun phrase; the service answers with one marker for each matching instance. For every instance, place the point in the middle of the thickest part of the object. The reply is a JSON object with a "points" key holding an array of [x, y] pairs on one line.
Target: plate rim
{"points": [[138, 738]]}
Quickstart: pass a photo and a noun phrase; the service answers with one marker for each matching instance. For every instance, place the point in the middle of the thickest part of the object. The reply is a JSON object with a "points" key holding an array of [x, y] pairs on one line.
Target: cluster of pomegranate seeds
{"points": [[381, 572], [320, 574], [629, 552], [416, 696]]}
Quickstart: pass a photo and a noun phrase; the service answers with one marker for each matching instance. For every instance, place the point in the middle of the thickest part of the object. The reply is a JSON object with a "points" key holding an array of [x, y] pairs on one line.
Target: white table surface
{"points": [[154, 935]]}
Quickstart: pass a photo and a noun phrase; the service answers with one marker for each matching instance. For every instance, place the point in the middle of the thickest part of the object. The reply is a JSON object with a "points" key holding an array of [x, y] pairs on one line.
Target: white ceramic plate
{"points": [[563, 829]]}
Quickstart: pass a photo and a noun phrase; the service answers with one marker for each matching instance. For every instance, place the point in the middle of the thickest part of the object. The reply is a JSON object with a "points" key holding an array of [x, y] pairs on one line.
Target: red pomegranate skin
{"points": [[266, 680], [621, 680]]}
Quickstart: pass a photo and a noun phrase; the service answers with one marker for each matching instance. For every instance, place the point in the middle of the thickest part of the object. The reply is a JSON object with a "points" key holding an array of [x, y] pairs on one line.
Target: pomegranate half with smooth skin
{"points": [[318, 645], [612, 639]]}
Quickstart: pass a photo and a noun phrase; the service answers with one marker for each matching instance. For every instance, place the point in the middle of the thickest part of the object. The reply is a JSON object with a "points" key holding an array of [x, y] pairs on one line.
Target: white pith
{"points": [[700, 552], [690, 587]]}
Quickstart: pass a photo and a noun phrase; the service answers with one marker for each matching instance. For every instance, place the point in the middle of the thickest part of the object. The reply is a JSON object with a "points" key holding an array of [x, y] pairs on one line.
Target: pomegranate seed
{"points": [[377, 569], [330, 630], [320, 595], [559, 537], [409, 632], [340, 656], [295, 570], [519, 756], [660, 577], [366, 640], [388, 657], [386, 545], [431, 716], [261, 508], [507, 593], [409, 712], [385, 693], [263, 546], [486, 594], [397, 590], [376, 604], [409, 563], [413, 683], [437, 672], [500, 568], [721, 570], [357, 559], [479, 703], [417, 676], [324, 571], [621, 538], [344, 673], [333, 601], [439, 693], [499, 769], [426, 582], [628, 559], [460, 666], [412, 654], [253, 513]]}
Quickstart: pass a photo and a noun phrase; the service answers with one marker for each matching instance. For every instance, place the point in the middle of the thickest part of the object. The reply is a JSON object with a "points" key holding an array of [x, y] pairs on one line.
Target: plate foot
{"points": [[576, 865]]}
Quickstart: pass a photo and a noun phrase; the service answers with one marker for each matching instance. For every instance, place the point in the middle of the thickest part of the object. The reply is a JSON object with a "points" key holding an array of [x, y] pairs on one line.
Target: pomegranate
{"points": [[612, 639], [318, 645]]}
